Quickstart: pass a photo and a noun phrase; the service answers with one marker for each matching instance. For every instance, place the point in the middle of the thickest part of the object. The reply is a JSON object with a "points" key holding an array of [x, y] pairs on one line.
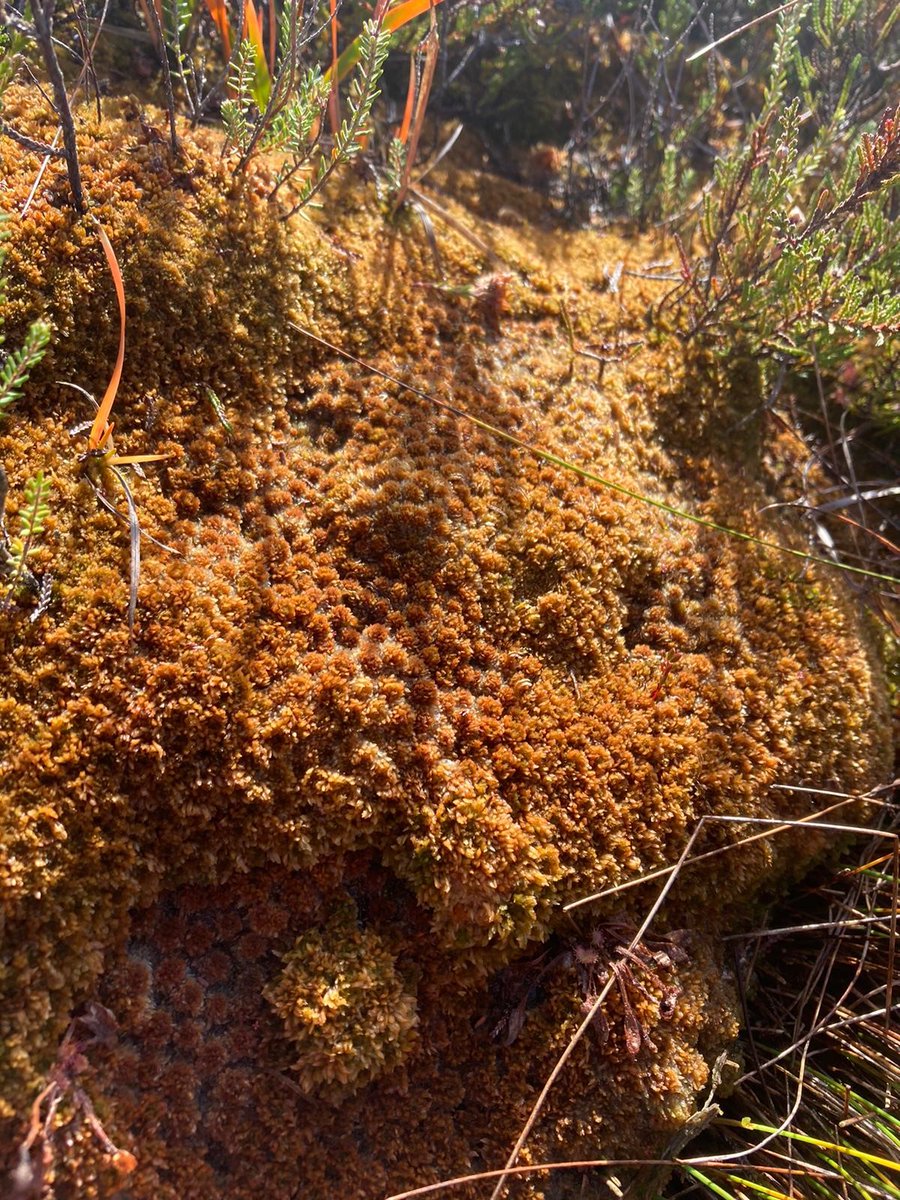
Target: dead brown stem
{"points": [[42, 12]]}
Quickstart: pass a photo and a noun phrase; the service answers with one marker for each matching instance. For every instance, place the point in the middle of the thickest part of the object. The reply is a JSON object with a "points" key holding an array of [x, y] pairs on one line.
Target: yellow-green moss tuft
{"points": [[348, 1013]]}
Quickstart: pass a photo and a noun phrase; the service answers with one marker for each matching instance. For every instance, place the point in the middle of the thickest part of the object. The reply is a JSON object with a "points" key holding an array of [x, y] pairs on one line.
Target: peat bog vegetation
{"points": [[448, 602]]}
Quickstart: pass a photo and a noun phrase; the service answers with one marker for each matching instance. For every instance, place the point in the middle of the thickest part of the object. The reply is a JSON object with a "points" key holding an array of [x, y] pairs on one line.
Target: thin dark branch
{"points": [[42, 12], [27, 143], [81, 17], [214, 95], [167, 75]]}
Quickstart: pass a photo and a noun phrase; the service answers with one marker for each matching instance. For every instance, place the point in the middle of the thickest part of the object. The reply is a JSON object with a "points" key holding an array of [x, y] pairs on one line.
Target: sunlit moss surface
{"points": [[391, 669]]}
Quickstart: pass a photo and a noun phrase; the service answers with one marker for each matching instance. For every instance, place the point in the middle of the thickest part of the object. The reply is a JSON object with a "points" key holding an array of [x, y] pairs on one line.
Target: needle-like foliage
{"points": [[15, 551], [801, 254]]}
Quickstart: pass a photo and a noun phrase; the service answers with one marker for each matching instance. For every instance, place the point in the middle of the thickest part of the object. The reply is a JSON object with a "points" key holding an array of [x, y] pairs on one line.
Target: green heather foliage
{"points": [[355, 126], [291, 118], [801, 254], [32, 518], [16, 367], [236, 111], [20, 363]]}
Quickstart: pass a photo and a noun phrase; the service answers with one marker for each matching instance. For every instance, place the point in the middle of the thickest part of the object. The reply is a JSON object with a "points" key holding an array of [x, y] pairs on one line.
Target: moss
{"points": [[346, 1009], [391, 658]]}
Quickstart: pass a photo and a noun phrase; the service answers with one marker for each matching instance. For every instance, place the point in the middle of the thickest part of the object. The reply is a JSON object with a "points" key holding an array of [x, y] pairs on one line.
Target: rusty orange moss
{"points": [[394, 665]]}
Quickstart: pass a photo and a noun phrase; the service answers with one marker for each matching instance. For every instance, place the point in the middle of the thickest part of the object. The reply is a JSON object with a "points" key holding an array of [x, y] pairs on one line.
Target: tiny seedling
{"points": [[15, 551], [221, 415]]}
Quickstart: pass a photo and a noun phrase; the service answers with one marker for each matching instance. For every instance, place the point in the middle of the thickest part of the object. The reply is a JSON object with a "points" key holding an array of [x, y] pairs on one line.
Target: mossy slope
{"points": [[393, 661]]}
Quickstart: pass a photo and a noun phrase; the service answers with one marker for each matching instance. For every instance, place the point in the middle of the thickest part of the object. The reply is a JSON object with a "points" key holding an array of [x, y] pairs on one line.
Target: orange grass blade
{"points": [[273, 36], [431, 45], [119, 459], [219, 14], [253, 29], [400, 15], [395, 19], [334, 111], [403, 131], [262, 83], [100, 430]]}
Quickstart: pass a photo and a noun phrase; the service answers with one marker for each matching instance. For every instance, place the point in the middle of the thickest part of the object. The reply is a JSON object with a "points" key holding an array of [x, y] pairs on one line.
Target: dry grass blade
{"points": [[774, 826], [429, 203], [839, 1072], [594, 1010], [432, 45], [134, 539], [403, 131], [219, 14], [742, 29], [587, 1164], [394, 19], [334, 100]]}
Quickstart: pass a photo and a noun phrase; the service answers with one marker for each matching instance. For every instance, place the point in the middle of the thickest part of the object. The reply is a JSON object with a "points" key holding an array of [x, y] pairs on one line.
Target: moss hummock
{"points": [[399, 693]]}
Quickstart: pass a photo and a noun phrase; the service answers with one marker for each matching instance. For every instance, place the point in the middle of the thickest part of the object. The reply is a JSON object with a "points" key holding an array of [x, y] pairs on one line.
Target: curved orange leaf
{"points": [[219, 14], [394, 19], [101, 429]]}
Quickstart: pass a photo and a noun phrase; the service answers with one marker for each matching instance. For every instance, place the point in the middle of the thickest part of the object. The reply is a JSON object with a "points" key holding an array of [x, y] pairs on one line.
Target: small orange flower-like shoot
{"points": [[124, 1161]]}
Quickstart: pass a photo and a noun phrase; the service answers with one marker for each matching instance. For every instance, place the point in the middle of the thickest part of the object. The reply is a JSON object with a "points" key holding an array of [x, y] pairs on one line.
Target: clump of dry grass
{"points": [[815, 1111]]}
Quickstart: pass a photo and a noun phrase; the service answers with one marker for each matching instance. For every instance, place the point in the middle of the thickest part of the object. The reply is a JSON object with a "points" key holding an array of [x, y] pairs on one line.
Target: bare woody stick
{"points": [[167, 74], [42, 11]]}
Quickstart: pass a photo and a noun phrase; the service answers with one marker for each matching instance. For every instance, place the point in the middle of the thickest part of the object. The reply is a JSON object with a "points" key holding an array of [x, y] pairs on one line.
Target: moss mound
{"points": [[394, 671], [344, 1006]]}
